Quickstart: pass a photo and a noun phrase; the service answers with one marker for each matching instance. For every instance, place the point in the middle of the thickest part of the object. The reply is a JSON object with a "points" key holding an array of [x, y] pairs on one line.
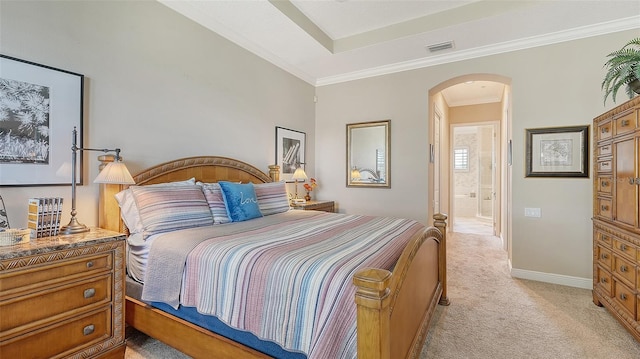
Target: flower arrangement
{"points": [[309, 187]]}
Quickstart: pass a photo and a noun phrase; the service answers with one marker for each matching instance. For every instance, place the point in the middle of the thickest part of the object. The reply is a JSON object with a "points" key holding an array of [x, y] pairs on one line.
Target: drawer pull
{"points": [[604, 130], [605, 164], [89, 293], [604, 208], [623, 296], [632, 181], [603, 280], [624, 123], [604, 256], [89, 329], [623, 247], [605, 183], [90, 264], [623, 268]]}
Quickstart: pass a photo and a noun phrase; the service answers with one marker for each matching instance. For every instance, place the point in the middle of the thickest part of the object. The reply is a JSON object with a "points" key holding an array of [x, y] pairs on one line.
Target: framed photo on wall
{"points": [[39, 107], [290, 147], [557, 152]]}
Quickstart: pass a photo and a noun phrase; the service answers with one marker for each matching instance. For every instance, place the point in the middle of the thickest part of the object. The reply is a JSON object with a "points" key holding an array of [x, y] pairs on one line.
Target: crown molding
{"points": [[508, 46]]}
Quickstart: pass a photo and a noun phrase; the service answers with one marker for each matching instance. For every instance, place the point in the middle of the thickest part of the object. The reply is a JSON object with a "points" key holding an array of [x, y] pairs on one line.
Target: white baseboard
{"points": [[584, 283]]}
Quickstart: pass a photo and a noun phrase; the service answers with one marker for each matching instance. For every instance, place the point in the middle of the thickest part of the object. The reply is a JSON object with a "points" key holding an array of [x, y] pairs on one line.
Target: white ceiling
{"points": [[331, 41]]}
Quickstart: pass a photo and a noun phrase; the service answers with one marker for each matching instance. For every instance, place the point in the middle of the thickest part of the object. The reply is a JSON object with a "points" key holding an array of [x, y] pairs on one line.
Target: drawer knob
{"points": [[89, 329], [623, 247], [623, 296], [90, 264], [604, 130], [623, 268], [604, 256], [603, 280], [605, 183], [624, 123], [604, 208], [632, 181], [89, 293]]}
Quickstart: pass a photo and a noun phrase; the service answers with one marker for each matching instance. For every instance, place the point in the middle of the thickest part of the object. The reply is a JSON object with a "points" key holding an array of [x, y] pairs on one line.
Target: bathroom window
{"points": [[461, 158]]}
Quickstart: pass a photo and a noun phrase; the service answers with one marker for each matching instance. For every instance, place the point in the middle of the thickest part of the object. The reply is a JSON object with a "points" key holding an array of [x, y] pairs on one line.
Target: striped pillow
{"points": [[213, 194], [272, 197], [164, 209], [129, 210]]}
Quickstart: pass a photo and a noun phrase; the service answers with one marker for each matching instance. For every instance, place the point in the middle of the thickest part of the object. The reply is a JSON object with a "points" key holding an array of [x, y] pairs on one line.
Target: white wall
{"points": [[556, 85], [158, 86]]}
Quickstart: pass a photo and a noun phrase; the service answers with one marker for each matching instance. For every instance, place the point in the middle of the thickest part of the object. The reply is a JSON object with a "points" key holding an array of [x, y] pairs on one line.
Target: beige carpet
{"points": [[493, 316]]}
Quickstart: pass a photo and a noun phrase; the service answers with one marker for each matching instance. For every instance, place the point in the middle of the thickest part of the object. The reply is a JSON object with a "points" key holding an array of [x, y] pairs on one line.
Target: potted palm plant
{"points": [[623, 69]]}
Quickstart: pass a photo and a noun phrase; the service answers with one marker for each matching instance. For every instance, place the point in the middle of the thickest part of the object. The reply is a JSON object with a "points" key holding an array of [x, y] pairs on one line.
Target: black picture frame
{"points": [[290, 151], [35, 138], [557, 152]]}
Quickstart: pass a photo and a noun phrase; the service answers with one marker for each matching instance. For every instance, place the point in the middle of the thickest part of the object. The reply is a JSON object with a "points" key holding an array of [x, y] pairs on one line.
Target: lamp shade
{"points": [[115, 173], [355, 174], [299, 174]]}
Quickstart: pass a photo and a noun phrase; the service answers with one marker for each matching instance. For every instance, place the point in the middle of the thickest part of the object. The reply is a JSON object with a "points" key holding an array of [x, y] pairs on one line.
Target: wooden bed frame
{"points": [[394, 308]]}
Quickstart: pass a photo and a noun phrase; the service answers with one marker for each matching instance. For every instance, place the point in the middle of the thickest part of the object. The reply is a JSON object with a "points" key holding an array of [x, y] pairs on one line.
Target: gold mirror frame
{"points": [[369, 154]]}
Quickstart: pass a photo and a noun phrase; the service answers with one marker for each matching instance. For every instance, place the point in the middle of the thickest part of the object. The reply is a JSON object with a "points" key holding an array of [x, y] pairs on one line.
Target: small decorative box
{"points": [[10, 237]]}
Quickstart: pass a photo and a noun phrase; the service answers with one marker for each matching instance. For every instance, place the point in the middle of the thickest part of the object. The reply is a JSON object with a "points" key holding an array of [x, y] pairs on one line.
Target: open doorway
{"points": [[474, 178], [473, 99]]}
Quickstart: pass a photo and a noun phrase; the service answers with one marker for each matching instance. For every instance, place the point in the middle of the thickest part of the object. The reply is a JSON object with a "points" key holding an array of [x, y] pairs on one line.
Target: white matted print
{"points": [[290, 147], [39, 107], [557, 152]]}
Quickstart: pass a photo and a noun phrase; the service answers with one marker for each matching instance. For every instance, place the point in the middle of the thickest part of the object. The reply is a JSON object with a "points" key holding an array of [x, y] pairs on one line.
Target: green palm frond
{"points": [[623, 68]]}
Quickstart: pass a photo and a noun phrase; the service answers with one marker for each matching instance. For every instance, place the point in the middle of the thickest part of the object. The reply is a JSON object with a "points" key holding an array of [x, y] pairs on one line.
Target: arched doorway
{"points": [[441, 115]]}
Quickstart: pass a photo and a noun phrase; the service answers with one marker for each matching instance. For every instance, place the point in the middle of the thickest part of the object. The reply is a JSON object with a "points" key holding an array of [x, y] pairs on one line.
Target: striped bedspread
{"points": [[292, 282]]}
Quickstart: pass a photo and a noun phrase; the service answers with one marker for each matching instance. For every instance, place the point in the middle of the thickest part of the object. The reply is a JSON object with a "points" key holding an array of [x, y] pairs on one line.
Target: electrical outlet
{"points": [[532, 212]]}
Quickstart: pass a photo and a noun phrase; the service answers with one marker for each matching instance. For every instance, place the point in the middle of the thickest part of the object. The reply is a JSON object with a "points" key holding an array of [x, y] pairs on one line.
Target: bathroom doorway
{"points": [[474, 177]]}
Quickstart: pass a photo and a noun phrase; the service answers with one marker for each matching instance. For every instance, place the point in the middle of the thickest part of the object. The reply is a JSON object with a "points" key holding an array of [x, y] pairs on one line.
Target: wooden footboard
{"points": [[395, 309]]}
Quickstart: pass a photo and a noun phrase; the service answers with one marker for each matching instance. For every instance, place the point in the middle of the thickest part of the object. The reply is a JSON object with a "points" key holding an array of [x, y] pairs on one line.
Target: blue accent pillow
{"points": [[240, 200]]}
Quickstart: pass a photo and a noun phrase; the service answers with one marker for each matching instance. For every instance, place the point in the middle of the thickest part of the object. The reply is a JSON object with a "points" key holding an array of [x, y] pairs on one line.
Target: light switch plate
{"points": [[532, 212]]}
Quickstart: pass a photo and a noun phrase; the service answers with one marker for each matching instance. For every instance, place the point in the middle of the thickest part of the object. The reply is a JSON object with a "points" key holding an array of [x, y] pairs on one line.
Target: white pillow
{"points": [[129, 210]]}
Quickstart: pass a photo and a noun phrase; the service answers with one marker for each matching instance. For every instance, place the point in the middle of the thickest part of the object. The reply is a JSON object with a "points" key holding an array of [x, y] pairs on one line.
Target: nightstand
{"points": [[326, 206], [63, 296]]}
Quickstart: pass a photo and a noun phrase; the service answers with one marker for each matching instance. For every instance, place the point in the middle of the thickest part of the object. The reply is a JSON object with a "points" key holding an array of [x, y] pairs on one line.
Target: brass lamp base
{"points": [[74, 227]]}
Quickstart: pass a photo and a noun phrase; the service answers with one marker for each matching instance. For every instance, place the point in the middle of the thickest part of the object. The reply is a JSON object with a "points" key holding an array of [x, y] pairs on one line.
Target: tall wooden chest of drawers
{"points": [[63, 297], [616, 214]]}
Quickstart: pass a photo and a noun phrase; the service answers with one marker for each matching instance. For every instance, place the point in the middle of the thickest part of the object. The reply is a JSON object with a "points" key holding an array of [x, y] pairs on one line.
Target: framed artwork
{"points": [[557, 152], [290, 145], [39, 106]]}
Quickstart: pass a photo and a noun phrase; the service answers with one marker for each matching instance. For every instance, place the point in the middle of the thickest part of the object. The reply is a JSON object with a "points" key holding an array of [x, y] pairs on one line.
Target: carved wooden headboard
{"points": [[203, 168]]}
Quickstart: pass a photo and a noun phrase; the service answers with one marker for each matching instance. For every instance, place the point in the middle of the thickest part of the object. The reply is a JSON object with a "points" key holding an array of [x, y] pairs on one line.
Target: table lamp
{"points": [[114, 173]]}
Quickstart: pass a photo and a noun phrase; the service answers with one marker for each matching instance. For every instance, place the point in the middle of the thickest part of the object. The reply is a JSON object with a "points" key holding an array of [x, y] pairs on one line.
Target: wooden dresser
{"points": [[63, 297], [616, 222]]}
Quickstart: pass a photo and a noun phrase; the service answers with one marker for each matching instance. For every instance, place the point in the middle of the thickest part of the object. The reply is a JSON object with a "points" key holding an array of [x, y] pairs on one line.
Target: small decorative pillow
{"points": [[164, 209], [240, 200], [128, 209], [213, 194], [272, 197]]}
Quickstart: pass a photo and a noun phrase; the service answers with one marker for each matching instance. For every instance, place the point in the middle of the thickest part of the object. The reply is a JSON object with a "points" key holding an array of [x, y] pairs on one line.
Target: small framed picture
{"points": [[290, 147], [557, 152]]}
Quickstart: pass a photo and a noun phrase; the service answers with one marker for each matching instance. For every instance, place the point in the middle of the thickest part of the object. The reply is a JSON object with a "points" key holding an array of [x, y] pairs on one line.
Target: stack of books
{"points": [[44, 216]]}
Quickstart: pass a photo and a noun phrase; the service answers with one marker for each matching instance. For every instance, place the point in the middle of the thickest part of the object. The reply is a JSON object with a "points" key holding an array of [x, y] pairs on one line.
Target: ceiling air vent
{"points": [[441, 46]]}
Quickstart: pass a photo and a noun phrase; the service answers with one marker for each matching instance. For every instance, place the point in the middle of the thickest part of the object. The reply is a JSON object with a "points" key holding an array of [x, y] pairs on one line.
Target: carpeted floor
{"points": [[493, 316]]}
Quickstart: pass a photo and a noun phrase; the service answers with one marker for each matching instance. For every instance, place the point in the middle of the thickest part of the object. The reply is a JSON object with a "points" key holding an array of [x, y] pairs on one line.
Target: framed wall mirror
{"points": [[369, 154]]}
